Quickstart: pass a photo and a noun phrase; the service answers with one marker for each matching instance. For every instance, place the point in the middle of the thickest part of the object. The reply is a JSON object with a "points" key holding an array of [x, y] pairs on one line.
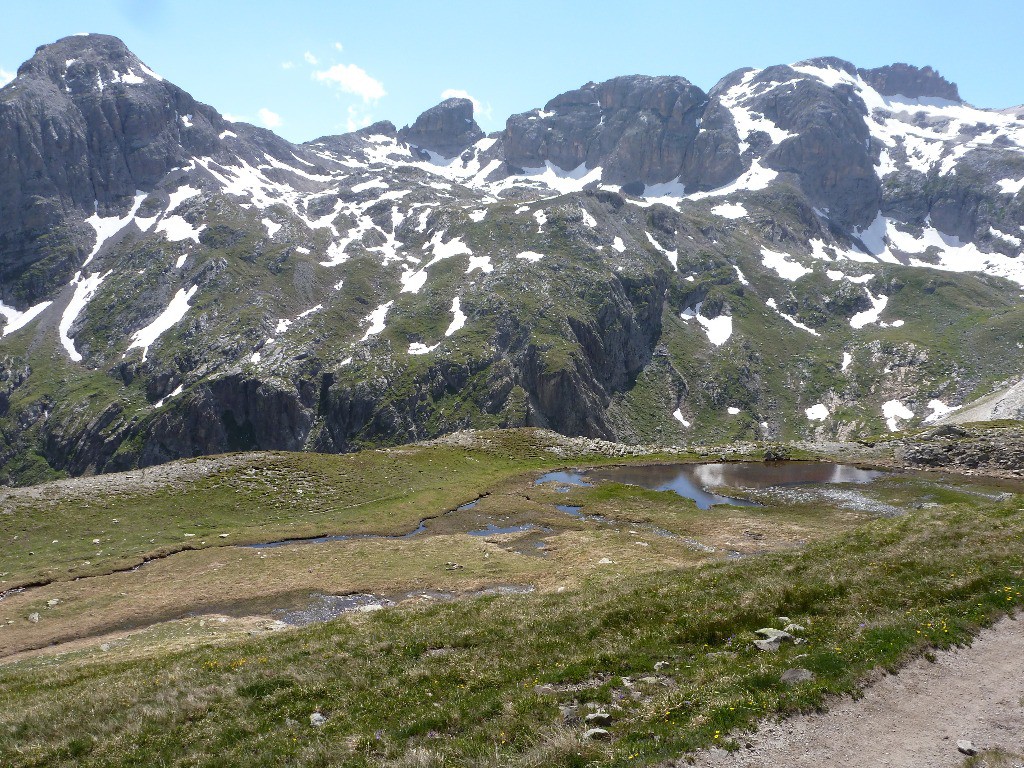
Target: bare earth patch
{"points": [[909, 720]]}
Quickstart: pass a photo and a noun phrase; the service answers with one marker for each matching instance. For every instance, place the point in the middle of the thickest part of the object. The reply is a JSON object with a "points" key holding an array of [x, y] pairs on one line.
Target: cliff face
{"points": [[808, 249]]}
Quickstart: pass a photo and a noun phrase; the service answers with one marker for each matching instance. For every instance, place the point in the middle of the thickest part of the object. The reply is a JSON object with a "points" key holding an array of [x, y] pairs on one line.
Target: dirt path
{"points": [[909, 720]]}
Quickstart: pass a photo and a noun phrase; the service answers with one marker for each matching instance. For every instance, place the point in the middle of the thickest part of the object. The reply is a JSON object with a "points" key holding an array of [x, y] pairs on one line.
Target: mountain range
{"points": [[807, 251]]}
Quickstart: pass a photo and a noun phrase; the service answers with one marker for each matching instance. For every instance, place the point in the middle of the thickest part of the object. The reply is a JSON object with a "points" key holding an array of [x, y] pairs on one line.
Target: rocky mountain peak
{"points": [[829, 62], [634, 127], [85, 63], [910, 81], [447, 129]]}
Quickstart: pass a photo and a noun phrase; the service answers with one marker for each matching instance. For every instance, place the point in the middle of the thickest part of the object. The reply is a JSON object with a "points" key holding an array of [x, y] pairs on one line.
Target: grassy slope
{"points": [[270, 496], [456, 684]]}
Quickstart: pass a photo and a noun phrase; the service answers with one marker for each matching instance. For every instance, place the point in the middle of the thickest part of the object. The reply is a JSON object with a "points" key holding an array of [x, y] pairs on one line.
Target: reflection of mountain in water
{"points": [[693, 481]]}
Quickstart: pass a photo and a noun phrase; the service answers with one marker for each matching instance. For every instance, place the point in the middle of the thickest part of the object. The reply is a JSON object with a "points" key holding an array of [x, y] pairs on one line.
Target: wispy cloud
{"points": [[350, 78], [5, 77], [338, 47], [269, 119], [287, 65], [358, 118], [478, 107], [310, 58]]}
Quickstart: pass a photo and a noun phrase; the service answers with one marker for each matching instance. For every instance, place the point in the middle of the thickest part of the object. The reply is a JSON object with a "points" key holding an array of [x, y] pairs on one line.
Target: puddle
{"points": [[493, 530], [467, 505], [564, 478]]}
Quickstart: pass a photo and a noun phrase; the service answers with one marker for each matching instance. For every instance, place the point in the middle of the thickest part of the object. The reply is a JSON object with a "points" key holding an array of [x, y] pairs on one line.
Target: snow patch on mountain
{"points": [[872, 315], [15, 319], [179, 196], [551, 176], [414, 279], [1011, 239], [172, 315], [817, 412], [782, 264], [108, 226], [835, 275], [272, 227], [531, 256], [177, 391], [377, 319], [85, 289], [458, 318], [730, 211], [718, 329], [177, 229], [894, 411], [745, 120], [483, 263], [417, 348], [938, 410], [672, 256], [1010, 187], [757, 177], [773, 305]]}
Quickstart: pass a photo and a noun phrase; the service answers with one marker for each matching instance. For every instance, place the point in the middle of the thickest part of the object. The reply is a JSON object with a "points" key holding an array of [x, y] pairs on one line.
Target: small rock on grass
{"points": [[966, 747], [798, 675], [773, 638], [598, 718], [317, 720], [597, 734], [34, 618], [774, 634]]}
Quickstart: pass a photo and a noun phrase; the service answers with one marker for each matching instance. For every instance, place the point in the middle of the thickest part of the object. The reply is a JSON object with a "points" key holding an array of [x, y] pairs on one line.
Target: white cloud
{"points": [[287, 65], [458, 93], [310, 58], [357, 118], [5, 77], [234, 118], [268, 118], [352, 79], [338, 47]]}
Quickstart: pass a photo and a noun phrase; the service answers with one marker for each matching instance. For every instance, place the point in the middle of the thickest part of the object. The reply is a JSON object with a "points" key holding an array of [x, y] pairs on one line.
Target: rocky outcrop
{"points": [[637, 129], [830, 150], [447, 129], [999, 450], [910, 81]]}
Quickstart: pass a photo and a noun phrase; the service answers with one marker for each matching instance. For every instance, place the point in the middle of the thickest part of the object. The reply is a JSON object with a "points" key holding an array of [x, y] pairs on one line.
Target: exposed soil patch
{"points": [[908, 720]]}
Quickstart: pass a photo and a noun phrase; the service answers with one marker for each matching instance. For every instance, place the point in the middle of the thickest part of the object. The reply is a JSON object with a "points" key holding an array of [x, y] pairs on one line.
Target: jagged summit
{"points": [[446, 129], [910, 81]]}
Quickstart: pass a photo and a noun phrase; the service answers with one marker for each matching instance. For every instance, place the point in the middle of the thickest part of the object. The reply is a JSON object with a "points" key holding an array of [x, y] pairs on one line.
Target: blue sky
{"points": [[313, 67]]}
